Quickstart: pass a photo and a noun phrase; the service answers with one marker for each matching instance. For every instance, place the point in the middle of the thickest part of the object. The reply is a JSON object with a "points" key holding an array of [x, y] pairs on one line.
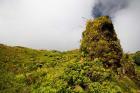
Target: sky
{"points": [[58, 24]]}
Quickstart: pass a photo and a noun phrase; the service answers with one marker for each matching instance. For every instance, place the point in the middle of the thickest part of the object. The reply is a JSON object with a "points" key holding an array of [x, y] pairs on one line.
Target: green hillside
{"points": [[99, 66], [26, 70]]}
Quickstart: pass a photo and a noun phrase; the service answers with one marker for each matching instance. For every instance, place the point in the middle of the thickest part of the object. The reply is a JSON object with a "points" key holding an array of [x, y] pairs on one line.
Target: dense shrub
{"points": [[136, 58], [89, 77]]}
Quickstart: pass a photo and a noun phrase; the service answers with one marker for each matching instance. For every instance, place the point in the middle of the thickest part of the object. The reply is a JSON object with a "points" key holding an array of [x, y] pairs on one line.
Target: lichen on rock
{"points": [[99, 40]]}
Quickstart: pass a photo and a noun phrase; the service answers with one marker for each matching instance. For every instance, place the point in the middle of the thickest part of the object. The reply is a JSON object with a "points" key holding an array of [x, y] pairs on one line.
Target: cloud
{"points": [[127, 25], [58, 24], [45, 24], [125, 15], [108, 7]]}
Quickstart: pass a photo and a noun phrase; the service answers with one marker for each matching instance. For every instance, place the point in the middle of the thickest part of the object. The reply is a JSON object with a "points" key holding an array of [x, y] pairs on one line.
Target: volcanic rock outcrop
{"points": [[99, 40]]}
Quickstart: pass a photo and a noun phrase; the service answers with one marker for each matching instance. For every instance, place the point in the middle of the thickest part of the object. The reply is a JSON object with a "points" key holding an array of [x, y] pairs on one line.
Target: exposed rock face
{"points": [[99, 40]]}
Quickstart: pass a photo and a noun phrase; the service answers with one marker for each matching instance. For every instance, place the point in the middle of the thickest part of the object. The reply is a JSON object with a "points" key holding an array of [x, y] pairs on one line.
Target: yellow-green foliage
{"points": [[99, 40], [24, 70]]}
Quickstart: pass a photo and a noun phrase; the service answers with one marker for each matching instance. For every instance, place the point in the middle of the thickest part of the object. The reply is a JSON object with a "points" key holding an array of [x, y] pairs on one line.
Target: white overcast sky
{"points": [[58, 24]]}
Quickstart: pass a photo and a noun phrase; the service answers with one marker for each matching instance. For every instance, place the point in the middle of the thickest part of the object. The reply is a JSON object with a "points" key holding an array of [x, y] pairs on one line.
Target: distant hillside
{"points": [[99, 66]]}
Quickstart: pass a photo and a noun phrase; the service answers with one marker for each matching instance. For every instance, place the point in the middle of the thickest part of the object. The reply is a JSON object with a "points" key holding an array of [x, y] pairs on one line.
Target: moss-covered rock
{"points": [[99, 40]]}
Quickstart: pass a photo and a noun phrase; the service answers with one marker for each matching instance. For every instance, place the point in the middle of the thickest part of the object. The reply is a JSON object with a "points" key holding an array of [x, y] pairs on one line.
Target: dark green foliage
{"points": [[128, 65], [99, 40], [136, 58], [92, 77], [88, 77]]}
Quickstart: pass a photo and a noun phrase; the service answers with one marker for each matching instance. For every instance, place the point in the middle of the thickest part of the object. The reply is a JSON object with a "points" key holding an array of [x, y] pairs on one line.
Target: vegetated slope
{"points": [[100, 66], [26, 70], [23, 70]]}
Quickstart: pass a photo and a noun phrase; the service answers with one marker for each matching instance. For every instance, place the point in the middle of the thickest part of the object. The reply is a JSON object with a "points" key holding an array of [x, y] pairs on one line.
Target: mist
{"points": [[58, 24], [108, 7]]}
